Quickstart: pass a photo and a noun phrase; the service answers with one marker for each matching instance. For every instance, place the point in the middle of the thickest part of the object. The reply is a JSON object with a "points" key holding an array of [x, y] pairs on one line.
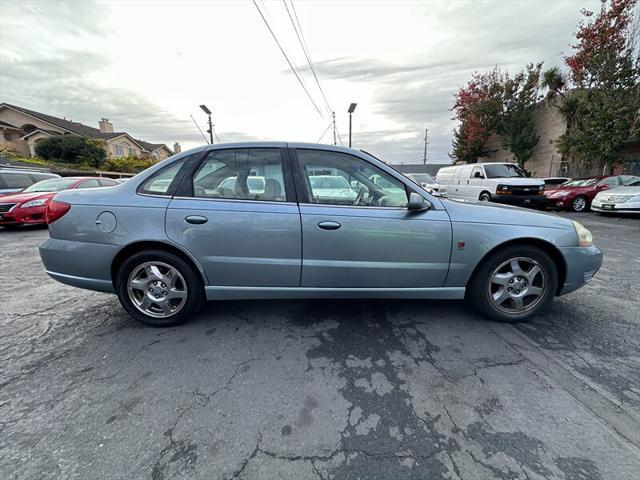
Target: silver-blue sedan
{"points": [[248, 221]]}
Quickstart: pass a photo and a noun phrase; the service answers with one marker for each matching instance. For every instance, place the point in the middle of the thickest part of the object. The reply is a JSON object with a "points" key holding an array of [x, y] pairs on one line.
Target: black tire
{"points": [[479, 287], [195, 296], [579, 204], [485, 197]]}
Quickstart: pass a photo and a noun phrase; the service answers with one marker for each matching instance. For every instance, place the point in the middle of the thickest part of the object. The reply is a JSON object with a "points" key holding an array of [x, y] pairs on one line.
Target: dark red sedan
{"points": [[578, 193], [28, 206]]}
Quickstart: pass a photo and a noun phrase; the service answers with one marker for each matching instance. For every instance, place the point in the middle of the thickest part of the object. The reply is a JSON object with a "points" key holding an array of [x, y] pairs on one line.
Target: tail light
{"points": [[55, 210]]}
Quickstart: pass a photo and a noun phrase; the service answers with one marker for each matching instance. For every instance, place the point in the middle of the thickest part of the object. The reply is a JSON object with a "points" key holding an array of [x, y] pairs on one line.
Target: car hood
{"points": [[622, 191], [560, 188], [473, 211], [25, 197], [518, 180]]}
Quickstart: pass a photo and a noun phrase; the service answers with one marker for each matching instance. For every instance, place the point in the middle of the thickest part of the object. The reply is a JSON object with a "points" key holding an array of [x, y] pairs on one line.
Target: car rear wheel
{"points": [[515, 284], [159, 288], [579, 204]]}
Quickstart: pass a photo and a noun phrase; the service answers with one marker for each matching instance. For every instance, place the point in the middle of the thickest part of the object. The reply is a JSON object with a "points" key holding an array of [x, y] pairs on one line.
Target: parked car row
{"points": [[508, 183], [28, 206]]}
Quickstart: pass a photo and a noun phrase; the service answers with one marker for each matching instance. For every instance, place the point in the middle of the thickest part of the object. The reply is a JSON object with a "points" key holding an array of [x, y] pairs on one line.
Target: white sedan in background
{"points": [[624, 199]]}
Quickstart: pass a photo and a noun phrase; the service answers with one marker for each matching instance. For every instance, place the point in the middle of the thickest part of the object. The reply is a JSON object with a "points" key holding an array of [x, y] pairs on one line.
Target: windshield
{"points": [[502, 170], [423, 178], [581, 182], [53, 185], [328, 182], [630, 181]]}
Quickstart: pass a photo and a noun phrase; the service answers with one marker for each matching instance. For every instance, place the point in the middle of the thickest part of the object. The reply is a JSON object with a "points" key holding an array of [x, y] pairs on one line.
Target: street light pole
{"points": [[352, 107], [206, 110]]}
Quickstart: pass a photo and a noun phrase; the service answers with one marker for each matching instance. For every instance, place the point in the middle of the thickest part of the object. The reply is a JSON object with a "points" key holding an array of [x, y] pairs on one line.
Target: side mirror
{"points": [[417, 203]]}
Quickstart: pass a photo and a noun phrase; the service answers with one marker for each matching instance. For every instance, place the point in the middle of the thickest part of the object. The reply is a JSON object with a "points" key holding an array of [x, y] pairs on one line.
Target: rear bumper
{"points": [[79, 264], [582, 264], [521, 200]]}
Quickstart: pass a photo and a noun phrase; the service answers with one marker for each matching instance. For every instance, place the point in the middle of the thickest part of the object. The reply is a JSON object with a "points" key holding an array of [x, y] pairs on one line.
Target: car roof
{"points": [[16, 170]]}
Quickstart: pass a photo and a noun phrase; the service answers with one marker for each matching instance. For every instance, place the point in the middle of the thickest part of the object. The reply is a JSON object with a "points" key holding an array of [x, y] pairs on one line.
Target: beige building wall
{"points": [[19, 119], [545, 160], [32, 140]]}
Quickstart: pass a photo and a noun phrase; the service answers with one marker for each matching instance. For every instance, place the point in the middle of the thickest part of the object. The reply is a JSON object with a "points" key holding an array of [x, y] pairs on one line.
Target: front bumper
{"points": [[521, 200], [622, 207], [560, 203], [24, 216], [582, 264], [79, 264]]}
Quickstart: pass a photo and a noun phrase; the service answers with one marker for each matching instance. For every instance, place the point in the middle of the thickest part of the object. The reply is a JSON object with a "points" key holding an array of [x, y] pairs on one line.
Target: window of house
{"points": [[120, 149], [243, 174], [334, 178]]}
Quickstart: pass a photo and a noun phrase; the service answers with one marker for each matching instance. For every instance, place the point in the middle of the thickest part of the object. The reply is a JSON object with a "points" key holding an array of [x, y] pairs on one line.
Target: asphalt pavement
{"points": [[320, 389]]}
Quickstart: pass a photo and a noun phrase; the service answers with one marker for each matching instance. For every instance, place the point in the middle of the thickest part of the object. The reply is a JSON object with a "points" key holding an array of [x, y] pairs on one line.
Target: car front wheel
{"points": [[159, 288], [579, 204], [515, 284], [485, 197]]}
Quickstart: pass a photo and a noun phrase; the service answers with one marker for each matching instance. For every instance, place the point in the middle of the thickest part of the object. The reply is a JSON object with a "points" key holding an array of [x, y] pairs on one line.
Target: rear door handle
{"points": [[329, 225], [195, 219]]}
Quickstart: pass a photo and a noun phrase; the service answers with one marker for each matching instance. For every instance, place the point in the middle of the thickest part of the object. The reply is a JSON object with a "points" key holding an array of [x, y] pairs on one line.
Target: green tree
{"points": [[601, 110], [72, 149], [520, 96]]}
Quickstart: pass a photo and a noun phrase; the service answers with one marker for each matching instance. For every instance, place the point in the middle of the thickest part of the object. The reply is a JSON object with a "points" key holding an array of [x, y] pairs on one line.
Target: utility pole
{"points": [[206, 110], [333, 115], [426, 142]]}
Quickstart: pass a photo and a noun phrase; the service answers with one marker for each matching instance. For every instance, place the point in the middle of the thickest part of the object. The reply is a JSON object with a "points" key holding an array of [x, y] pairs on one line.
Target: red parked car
{"points": [[577, 194], [28, 206]]}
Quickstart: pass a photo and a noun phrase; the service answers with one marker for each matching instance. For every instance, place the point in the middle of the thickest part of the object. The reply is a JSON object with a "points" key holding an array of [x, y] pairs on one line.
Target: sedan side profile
{"points": [[180, 233]]}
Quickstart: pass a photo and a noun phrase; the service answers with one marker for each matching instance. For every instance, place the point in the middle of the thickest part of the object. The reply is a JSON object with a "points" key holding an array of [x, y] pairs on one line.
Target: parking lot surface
{"points": [[320, 389]]}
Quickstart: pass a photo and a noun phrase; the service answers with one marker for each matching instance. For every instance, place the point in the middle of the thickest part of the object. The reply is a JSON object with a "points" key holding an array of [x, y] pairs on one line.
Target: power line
{"points": [[325, 132], [287, 59], [305, 50], [199, 129]]}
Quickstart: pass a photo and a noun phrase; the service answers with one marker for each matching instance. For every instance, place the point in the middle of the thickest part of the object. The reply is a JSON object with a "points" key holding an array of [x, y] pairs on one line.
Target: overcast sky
{"points": [[148, 65]]}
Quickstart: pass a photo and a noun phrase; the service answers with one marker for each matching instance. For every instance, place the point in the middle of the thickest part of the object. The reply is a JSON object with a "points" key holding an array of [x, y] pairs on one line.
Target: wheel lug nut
{"points": [[517, 291], [151, 289], [509, 289], [511, 281], [164, 293]]}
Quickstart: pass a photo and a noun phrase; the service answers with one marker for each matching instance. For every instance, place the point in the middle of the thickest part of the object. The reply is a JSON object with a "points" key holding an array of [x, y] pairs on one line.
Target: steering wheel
{"points": [[361, 193]]}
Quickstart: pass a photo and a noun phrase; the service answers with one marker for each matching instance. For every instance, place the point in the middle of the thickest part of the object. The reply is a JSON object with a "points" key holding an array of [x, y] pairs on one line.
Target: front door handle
{"points": [[329, 225], [195, 219]]}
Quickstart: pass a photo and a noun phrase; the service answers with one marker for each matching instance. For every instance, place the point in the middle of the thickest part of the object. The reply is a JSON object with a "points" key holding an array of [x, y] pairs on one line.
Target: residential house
{"points": [[21, 129]]}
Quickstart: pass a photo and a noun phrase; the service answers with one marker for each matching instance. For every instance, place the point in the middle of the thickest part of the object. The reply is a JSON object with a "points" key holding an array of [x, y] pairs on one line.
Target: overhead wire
{"points": [[295, 72], [305, 50]]}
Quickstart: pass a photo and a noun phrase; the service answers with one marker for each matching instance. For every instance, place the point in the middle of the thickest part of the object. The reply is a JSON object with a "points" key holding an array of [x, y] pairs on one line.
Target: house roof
{"points": [[81, 129]]}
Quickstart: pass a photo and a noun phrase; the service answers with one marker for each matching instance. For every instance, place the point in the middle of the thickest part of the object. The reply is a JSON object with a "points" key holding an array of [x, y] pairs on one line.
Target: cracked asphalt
{"points": [[320, 389]]}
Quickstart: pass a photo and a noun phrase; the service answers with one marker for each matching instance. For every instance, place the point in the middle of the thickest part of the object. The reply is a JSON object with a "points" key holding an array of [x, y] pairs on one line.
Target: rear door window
{"points": [[241, 174], [17, 180]]}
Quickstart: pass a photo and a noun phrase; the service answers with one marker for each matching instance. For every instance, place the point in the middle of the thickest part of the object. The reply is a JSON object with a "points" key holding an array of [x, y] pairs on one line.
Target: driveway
{"points": [[320, 389]]}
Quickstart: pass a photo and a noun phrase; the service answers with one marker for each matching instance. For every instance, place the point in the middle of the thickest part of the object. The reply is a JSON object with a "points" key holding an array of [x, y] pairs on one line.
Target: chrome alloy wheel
{"points": [[579, 204], [517, 285], [157, 289]]}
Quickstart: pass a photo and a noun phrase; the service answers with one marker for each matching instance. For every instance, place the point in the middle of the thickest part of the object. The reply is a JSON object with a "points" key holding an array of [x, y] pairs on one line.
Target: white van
{"points": [[492, 182]]}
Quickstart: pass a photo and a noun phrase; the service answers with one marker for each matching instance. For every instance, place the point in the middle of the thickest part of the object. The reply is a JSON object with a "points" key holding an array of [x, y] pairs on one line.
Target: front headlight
{"points": [[34, 203], [585, 239], [633, 199], [560, 194]]}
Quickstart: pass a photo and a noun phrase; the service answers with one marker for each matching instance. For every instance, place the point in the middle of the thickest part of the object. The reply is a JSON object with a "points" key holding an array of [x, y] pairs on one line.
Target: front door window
{"points": [[334, 178]]}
